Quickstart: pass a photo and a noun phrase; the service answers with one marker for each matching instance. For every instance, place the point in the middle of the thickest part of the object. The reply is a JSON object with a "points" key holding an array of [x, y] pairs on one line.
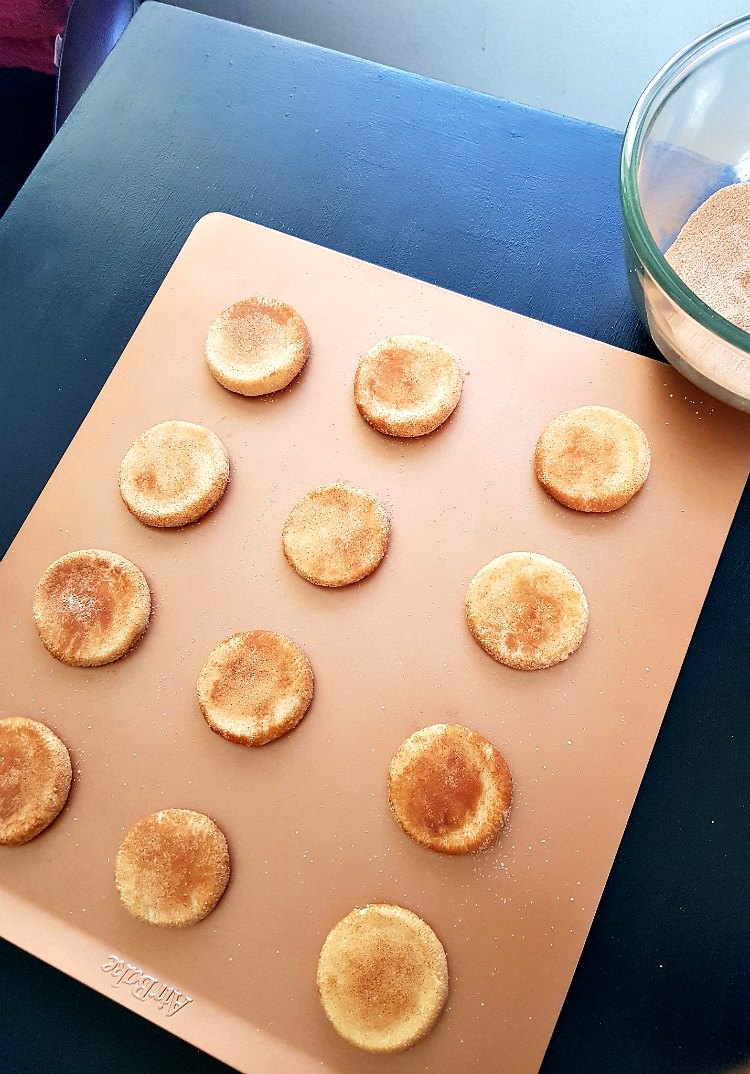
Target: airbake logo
{"points": [[143, 986]]}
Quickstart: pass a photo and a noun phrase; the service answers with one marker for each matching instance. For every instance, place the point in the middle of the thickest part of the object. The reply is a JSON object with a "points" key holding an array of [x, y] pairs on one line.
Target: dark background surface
{"points": [[27, 106], [502, 203]]}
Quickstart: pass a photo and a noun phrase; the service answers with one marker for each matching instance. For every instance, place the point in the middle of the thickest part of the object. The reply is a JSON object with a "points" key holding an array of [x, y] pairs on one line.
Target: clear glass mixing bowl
{"points": [[688, 136]]}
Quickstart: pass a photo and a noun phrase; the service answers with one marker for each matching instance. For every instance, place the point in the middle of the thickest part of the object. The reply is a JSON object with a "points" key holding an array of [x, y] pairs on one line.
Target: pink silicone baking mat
{"points": [[307, 818]]}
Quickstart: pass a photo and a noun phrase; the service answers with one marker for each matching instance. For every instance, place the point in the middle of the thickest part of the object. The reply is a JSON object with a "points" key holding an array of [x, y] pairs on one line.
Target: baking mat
{"points": [[307, 817]]}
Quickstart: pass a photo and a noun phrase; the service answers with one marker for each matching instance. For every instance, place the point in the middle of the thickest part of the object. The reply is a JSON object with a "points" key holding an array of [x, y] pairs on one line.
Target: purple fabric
{"points": [[27, 33]]}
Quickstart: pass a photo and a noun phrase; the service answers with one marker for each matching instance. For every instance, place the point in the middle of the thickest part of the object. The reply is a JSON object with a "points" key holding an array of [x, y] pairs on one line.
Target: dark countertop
{"points": [[507, 204]]}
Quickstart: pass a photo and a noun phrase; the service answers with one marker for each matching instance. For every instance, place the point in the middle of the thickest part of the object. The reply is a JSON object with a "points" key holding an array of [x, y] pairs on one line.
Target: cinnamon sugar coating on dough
{"points": [[382, 978], [337, 534], [174, 474], [257, 346], [172, 868], [407, 385], [91, 607], [35, 778], [450, 789], [255, 687], [592, 459], [526, 611]]}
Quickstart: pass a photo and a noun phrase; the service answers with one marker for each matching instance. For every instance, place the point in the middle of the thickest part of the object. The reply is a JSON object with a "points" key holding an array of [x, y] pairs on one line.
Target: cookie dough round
{"points": [[255, 687], [450, 789], [527, 611], [337, 534], [257, 346], [172, 868], [382, 978], [174, 474], [407, 385], [592, 459], [91, 607], [35, 777]]}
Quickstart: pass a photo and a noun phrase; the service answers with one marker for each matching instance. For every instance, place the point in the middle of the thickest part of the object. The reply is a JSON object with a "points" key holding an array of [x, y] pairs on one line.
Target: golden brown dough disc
{"points": [[35, 775], [91, 607], [382, 978], [407, 385], [336, 534], [255, 687], [526, 610], [172, 868], [173, 474], [592, 458], [450, 789], [257, 346]]}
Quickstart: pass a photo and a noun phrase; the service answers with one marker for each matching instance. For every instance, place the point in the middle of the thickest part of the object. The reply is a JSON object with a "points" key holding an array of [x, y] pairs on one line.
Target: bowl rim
{"points": [[647, 107]]}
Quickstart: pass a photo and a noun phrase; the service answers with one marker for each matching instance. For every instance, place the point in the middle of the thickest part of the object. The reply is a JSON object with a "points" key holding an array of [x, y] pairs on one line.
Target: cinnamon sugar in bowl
{"points": [[688, 138]]}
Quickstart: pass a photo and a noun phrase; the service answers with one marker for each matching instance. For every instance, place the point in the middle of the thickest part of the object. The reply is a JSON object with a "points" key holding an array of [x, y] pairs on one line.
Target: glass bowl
{"points": [[688, 136]]}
